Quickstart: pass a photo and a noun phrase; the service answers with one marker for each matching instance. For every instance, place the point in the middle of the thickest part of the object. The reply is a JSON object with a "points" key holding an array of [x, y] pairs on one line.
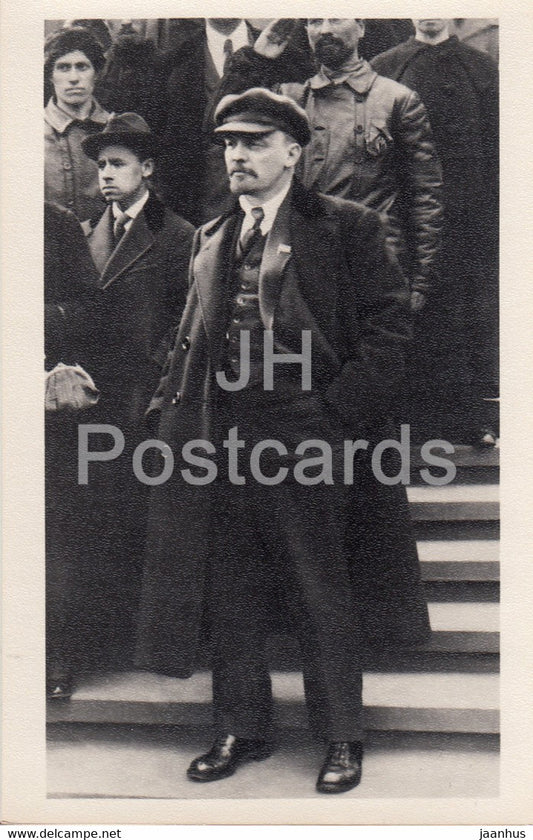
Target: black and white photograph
{"points": [[268, 496]]}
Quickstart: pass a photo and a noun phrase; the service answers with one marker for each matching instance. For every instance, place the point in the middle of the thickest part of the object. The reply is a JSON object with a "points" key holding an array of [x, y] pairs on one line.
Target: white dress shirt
{"points": [[132, 211], [270, 209], [215, 42]]}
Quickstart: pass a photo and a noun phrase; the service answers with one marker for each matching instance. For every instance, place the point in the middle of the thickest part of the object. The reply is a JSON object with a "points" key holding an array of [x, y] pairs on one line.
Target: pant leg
{"points": [[237, 608], [304, 528]]}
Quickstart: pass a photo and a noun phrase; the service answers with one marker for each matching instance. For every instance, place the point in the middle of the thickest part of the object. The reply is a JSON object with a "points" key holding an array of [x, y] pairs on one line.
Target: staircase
{"points": [[445, 687]]}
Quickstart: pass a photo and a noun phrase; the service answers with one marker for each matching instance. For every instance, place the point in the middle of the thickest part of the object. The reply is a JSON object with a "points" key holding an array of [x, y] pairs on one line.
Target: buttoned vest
{"points": [[245, 314]]}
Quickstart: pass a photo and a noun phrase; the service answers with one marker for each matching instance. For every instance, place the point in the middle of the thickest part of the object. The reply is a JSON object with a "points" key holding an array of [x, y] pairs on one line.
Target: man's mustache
{"points": [[241, 170], [328, 40]]}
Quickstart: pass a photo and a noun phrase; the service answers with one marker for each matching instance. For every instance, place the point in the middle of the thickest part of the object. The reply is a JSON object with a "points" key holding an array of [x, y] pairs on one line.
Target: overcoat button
{"points": [[176, 398], [67, 165], [186, 343]]}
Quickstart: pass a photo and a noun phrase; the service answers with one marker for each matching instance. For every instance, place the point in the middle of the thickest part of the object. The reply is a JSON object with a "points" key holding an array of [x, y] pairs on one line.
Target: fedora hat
{"points": [[129, 130]]}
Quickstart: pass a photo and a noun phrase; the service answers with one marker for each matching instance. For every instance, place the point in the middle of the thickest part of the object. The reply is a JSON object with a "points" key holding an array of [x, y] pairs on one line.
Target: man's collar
{"points": [[134, 210], [359, 79], [432, 42], [60, 120], [424, 45], [270, 207], [216, 40]]}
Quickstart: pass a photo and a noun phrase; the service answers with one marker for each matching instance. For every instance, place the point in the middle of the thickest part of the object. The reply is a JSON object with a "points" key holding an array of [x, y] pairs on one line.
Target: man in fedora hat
{"points": [[262, 523], [141, 251]]}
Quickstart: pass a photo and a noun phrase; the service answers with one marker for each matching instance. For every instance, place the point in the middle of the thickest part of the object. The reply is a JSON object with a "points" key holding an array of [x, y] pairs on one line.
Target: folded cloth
{"points": [[69, 387]]}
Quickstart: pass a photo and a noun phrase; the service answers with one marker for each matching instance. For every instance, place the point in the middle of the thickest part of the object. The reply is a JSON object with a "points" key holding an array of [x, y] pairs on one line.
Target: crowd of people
{"points": [[380, 173]]}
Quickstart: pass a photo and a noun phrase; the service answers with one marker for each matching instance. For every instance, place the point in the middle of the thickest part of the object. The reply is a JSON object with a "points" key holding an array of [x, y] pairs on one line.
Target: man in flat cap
{"points": [[291, 342], [141, 250], [371, 139]]}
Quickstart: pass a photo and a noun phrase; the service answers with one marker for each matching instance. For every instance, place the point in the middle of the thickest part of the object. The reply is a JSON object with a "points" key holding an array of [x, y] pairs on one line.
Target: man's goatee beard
{"points": [[331, 52]]}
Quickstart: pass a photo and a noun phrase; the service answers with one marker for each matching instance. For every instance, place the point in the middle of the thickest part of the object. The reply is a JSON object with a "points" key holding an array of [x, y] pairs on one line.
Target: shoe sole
{"points": [[224, 774], [332, 788]]}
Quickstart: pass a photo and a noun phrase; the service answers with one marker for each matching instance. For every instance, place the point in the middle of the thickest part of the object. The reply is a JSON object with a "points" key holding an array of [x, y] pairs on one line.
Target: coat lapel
{"points": [[315, 245], [275, 257], [100, 241], [210, 270], [133, 245]]}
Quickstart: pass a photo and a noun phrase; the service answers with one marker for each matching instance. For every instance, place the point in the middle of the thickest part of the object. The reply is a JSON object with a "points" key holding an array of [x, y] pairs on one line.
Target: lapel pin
{"points": [[284, 249]]}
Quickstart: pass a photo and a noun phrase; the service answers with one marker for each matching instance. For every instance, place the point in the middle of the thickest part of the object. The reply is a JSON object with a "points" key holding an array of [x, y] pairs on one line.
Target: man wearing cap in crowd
{"points": [[235, 537], [73, 58], [141, 251], [370, 141]]}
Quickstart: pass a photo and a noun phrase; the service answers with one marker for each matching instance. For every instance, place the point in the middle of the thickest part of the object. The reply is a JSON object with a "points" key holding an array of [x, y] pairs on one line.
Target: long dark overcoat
{"points": [[458, 330], [143, 286], [360, 324]]}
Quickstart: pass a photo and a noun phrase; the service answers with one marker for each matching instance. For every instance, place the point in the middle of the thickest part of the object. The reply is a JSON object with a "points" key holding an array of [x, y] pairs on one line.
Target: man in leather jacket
{"points": [[371, 138]]}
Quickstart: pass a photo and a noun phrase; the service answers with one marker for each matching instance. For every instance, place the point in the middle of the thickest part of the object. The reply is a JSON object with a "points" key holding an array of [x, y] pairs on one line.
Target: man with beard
{"points": [[371, 138]]}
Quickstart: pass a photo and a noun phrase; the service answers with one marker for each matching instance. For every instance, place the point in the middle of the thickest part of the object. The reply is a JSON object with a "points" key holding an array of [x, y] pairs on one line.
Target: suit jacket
{"points": [[359, 319], [143, 285]]}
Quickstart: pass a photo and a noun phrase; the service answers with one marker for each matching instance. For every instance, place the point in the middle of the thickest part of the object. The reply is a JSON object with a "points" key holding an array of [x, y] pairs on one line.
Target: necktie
{"points": [[118, 226], [254, 234], [228, 52]]}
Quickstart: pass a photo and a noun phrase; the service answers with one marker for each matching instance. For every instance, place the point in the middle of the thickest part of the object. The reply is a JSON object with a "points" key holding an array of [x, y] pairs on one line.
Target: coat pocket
{"points": [[378, 139]]}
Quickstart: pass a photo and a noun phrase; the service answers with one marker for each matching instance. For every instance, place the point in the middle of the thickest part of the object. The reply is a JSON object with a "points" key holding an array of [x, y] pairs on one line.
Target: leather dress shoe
{"points": [[342, 767], [226, 754], [59, 686], [484, 437]]}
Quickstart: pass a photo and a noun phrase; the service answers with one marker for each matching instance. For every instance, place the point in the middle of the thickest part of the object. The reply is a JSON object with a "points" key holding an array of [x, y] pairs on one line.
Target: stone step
{"points": [[460, 617], [414, 702], [454, 502], [456, 493], [464, 552], [147, 762], [472, 466], [464, 456], [471, 652], [458, 530], [460, 570]]}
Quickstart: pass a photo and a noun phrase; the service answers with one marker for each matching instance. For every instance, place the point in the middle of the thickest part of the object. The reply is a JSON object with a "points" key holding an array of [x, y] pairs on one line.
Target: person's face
{"points": [[121, 175], [334, 40], [258, 164], [431, 26], [73, 78], [224, 25]]}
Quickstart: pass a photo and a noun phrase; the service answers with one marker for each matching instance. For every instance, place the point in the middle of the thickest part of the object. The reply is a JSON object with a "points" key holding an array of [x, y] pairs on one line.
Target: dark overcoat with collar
{"points": [[357, 300], [458, 330], [143, 286]]}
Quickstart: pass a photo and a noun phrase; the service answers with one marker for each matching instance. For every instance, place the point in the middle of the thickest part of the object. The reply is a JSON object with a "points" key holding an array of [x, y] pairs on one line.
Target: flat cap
{"points": [[258, 111], [127, 129]]}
